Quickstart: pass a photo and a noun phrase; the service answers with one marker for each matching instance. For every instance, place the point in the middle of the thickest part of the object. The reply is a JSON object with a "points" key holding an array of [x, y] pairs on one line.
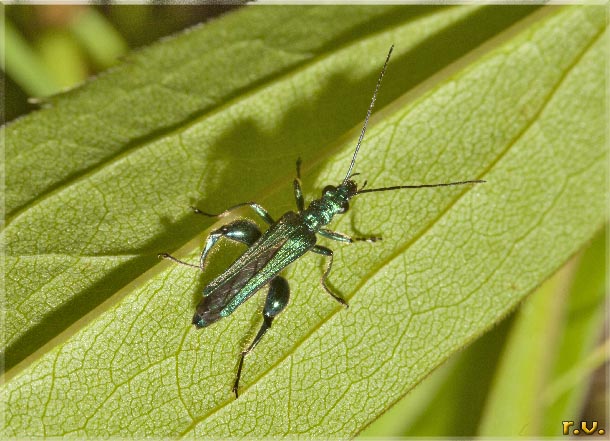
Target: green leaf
{"points": [[517, 409], [546, 366], [527, 356], [448, 402], [98, 336], [415, 406], [556, 331]]}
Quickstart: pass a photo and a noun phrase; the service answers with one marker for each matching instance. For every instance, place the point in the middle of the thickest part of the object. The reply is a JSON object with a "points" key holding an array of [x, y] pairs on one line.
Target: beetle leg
{"points": [[298, 194], [173, 259], [264, 214], [296, 185], [299, 168], [335, 235], [319, 249], [277, 299], [241, 230]]}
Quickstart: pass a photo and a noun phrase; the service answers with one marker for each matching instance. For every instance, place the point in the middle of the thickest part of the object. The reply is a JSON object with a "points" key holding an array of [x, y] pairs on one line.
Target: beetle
{"points": [[286, 240]]}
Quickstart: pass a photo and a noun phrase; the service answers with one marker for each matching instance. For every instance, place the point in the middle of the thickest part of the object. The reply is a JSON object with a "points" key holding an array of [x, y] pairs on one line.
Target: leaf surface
{"points": [[526, 112]]}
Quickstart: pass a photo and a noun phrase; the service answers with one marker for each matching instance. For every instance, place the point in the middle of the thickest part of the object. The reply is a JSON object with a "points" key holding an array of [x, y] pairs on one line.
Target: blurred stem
{"points": [[579, 373], [63, 56], [584, 325], [98, 37], [24, 65]]}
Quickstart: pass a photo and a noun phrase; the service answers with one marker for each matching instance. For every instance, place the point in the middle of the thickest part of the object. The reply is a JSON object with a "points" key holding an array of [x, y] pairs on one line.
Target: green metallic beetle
{"points": [[285, 241]]}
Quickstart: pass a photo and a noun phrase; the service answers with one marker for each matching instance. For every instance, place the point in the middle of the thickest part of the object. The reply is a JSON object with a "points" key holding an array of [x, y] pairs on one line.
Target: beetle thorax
{"points": [[321, 211]]}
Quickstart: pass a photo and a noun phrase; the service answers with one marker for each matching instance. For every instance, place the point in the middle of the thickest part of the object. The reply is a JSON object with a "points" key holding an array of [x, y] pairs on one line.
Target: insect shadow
{"points": [[307, 128], [287, 239], [264, 164]]}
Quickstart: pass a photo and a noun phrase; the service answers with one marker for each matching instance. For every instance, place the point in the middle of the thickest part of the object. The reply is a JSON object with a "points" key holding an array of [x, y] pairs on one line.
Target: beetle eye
{"points": [[344, 207], [328, 188]]}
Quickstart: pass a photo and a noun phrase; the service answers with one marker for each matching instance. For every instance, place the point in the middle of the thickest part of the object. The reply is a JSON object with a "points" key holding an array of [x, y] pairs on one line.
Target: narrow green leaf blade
{"points": [[516, 409], [556, 330], [566, 392]]}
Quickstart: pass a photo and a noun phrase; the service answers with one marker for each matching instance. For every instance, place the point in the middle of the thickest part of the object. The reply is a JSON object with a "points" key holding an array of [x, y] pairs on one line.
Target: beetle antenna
{"points": [[398, 187], [368, 114]]}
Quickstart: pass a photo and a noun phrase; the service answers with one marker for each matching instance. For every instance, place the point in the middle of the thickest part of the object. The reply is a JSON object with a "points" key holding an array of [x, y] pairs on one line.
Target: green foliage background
{"points": [[97, 337]]}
